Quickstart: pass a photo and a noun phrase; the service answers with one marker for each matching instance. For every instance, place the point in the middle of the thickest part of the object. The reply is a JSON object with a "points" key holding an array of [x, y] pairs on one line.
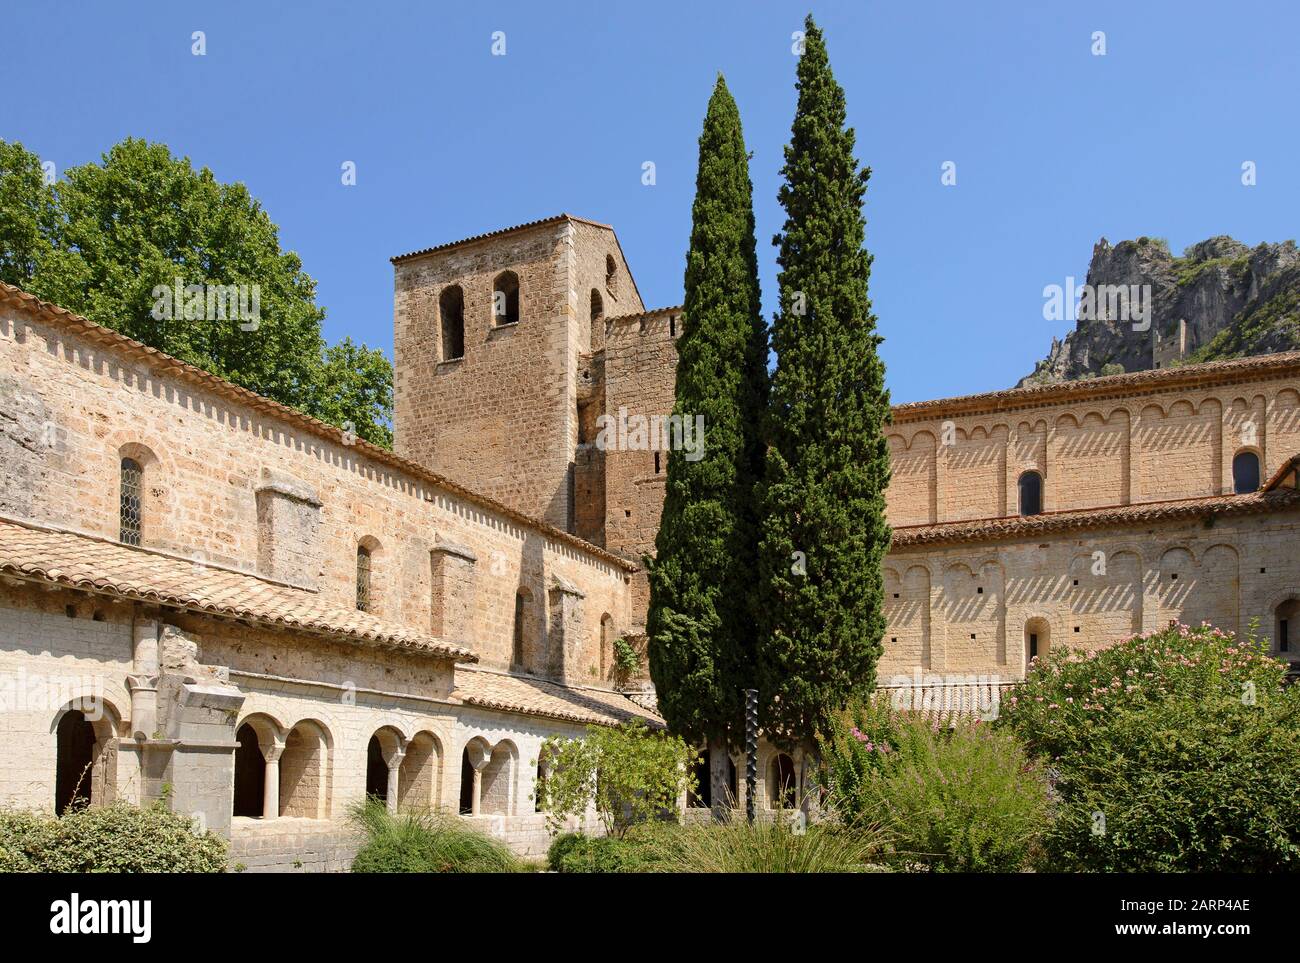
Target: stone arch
{"points": [[85, 731], [384, 752], [257, 766], [505, 298], [369, 574], [1247, 470], [782, 782], [611, 274], [451, 323], [474, 757], [497, 788], [1029, 492], [597, 307], [1038, 638], [1286, 627], [419, 784], [305, 774], [141, 495]]}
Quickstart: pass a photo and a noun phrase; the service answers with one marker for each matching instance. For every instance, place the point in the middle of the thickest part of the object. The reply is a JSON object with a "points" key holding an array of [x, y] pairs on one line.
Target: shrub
{"points": [[956, 798], [1177, 751], [764, 847], [633, 774], [579, 853], [120, 838], [424, 842]]}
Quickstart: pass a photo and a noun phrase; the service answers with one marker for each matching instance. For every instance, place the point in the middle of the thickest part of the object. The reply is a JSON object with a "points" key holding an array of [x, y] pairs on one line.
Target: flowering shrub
{"points": [[958, 797], [1175, 751]]}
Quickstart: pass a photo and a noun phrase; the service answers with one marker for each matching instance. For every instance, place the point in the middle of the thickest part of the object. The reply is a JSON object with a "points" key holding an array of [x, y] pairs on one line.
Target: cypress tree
{"points": [[824, 533], [702, 644]]}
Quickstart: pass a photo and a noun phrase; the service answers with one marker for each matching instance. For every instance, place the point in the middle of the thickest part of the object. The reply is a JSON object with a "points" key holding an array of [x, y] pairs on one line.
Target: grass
{"points": [[421, 841], [765, 847]]}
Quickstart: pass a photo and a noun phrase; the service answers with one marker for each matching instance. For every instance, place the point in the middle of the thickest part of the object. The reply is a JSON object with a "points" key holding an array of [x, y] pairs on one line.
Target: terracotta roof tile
{"points": [[510, 693], [108, 568], [1112, 385], [988, 529], [553, 219]]}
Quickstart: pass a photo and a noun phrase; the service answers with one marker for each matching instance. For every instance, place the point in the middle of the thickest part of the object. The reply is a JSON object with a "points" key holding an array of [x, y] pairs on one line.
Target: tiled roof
{"points": [[108, 568], [1018, 526], [535, 697], [1111, 385], [554, 219], [183, 371]]}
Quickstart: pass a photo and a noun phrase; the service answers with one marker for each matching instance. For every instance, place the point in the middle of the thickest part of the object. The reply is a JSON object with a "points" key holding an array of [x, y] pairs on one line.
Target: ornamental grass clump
{"points": [[423, 841]]}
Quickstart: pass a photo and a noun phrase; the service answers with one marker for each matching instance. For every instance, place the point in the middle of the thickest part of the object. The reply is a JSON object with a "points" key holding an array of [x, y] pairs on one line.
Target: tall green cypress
{"points": [[824, 533], [702, 645]]}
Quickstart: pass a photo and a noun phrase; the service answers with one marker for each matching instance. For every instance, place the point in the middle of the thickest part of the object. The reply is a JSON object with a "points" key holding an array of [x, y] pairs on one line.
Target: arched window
{"points": [[611, 271], [1245, 472], [75, 762], [597, 306], [376, 770], [701, 797], [1031, 493], [451, 314], [304, 772], [466, 784], [250, 773], [1038, 639], [505, 298], [781, 790], [363, 578], [132, 476], [1287, 615]]}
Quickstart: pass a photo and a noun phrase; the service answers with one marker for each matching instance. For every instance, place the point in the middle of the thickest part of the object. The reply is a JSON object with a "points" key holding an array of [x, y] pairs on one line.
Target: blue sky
{"points": [[1054, 147]]}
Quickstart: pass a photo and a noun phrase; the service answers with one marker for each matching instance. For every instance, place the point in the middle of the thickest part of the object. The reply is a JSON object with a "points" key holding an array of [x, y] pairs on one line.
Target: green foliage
{"points": [[110, 839], [101, 240], [632, 773], [824, 533], [424, 842], [956, 798], [700, 618], [766, 847], [1174, 752], [579, 853], [28, 214], [1113, 368], [627, 661]]}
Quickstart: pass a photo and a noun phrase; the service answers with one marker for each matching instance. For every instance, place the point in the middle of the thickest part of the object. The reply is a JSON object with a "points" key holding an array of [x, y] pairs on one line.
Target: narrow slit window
{"points": [[129, 510], [363, 578]]}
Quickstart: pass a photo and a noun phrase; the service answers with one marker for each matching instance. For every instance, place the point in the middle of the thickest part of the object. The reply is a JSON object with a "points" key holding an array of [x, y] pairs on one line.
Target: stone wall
{"points": [[1132, 446], [210, 465], [971, 607]]}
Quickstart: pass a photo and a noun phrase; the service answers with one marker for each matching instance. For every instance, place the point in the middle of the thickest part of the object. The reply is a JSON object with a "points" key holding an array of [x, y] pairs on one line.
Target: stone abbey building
{"points": [[207, 596]]}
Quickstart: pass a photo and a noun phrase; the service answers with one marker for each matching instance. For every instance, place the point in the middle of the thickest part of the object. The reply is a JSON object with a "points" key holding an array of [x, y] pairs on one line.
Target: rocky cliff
{"points": [[1220, 299]]}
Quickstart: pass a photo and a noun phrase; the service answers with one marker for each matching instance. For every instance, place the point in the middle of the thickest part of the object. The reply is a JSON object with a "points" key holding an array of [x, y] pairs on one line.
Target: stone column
{"points": [[143, 680], [476, 795], [394, 779], [271, 790]]}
